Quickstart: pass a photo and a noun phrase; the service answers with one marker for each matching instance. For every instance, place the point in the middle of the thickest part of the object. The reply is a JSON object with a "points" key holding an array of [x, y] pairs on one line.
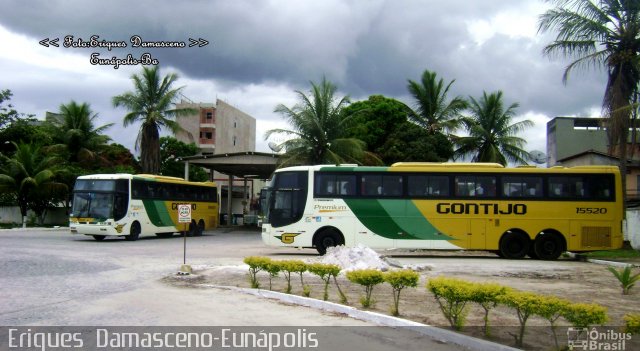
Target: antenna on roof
{"points": [[186, 98], [538, 156], [274, 147]]}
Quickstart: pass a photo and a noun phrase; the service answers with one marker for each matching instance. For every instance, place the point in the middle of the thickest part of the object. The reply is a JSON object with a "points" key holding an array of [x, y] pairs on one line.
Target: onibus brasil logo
{"points": [[585, 339]]}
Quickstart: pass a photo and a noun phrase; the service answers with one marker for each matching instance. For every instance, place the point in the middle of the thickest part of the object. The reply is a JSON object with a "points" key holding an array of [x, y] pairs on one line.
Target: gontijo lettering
{"points": [[473, 208]]}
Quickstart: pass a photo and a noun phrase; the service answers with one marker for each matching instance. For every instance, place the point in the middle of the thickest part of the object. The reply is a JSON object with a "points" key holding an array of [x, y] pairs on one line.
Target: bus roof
{"points": [[151, 177], [454, 167]]}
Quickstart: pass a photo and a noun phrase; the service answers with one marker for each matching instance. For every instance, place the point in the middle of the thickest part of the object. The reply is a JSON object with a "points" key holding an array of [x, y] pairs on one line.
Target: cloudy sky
{"points": [[259, 52]]}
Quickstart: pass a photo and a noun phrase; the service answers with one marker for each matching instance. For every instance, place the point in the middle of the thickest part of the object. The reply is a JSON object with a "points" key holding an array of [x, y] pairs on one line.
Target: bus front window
{"points": [[287, 198]]}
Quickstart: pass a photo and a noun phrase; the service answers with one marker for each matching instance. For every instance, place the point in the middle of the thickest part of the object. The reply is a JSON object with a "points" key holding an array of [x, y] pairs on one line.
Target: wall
{"points": [[56, 216]]}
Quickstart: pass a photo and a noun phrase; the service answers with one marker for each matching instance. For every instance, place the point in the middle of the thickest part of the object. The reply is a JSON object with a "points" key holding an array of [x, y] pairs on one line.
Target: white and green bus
{"points": [[132, 205], [514, 212]]}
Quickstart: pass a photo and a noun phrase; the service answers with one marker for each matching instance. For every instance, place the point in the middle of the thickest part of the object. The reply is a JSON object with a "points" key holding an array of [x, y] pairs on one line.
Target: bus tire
{"points": [[201, 227], [549, 246], [134, 232], [514, 245], [327, 237], [194, 229], [99, 237]]}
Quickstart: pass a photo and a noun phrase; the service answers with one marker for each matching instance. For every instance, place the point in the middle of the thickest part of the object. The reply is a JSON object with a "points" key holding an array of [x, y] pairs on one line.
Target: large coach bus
{"points": [[133, 205], [514, 212]]}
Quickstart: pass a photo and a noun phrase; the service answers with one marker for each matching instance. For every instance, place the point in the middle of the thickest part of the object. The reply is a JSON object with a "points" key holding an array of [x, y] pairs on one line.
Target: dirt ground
{"points": [[576, 281]]}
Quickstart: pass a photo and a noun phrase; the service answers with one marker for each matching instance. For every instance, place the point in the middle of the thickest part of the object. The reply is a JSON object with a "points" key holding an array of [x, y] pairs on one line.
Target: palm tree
{"points": [[432, 110], [319, 126], [153, 103], [603, 34], [74, 128], [492, 135], [27, 175]]}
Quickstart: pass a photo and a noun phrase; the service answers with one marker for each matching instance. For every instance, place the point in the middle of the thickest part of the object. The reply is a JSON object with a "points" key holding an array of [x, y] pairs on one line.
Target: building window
{"points": [[234, 140], [235, 125], [209, 115], [208, 135]]}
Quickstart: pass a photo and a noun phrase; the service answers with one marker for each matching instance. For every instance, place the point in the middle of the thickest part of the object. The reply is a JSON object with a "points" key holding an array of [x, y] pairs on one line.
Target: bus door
{"points": [[477, 233]]}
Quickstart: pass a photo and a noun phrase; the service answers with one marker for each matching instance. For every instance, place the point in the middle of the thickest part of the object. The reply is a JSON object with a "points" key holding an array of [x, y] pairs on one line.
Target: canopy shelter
{"points": [[246, 165]]}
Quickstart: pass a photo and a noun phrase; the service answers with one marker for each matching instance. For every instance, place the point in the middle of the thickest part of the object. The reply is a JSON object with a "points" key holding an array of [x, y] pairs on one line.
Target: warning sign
{"points": [[184, 213]]}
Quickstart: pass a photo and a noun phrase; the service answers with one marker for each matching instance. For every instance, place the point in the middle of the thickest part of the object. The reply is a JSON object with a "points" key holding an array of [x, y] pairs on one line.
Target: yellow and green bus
{"points": [[514, 212], [133, 205]]}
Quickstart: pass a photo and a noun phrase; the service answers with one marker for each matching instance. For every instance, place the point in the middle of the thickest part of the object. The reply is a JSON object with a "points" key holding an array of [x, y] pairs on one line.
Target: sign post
{"points": [[184, 216]]}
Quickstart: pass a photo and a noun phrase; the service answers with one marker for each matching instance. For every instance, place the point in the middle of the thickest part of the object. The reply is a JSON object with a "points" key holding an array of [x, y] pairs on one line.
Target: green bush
{"points": [[487, 295], [292, 266], [583, 315], [632, 322], [398, 281], [367, 278], [551, 308], [256, 264], [452, 296], [273, 268], [325, 272], [627, 281], [526, 304]]}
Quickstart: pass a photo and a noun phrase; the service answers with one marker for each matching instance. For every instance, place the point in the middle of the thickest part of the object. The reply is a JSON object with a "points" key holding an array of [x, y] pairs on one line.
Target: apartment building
{"points": [[217, 128]]}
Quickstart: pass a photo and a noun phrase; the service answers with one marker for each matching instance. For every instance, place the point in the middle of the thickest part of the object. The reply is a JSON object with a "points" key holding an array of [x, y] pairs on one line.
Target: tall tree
{"points": [[153, 103], [171, 149], [319, 125], [74, 128], [492, 135], [604, 33], [374, 119], [28, 176], [432, 110]]}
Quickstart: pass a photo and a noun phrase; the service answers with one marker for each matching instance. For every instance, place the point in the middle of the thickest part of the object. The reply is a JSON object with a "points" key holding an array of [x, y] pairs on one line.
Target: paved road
{"points": [[50, 277]]}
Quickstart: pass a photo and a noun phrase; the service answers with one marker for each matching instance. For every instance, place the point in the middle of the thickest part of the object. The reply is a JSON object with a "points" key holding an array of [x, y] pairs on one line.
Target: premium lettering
{"points": [[484, 208]]}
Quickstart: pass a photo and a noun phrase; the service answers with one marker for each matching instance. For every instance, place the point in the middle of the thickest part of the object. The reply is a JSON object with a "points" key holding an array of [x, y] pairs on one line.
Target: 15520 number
{"points": [[591, 210]]}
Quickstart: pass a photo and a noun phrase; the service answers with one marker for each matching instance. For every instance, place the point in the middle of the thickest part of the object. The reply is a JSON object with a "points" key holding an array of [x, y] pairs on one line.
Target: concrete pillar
{"points": [[229, 197], [186, 170]]}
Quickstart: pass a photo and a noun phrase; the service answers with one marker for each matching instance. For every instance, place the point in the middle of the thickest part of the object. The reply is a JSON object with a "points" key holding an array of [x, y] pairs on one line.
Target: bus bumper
{"points": [[97, 229]]}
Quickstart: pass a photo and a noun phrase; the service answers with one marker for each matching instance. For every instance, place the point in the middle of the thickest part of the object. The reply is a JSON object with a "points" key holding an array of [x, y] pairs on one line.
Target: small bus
{"points": [[513, 212], [133, 205]]}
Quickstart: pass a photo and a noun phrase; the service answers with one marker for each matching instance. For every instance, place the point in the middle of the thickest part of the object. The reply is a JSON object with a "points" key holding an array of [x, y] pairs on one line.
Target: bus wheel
{"points": [[200, 227], [548, 246], [99, 237], [514, 245], [134, 232], [327, 238], [194, 229]]}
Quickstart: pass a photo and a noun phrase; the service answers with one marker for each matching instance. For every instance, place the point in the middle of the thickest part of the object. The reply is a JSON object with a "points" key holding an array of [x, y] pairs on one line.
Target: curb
{"points": [[580, 257], [443, 335]]}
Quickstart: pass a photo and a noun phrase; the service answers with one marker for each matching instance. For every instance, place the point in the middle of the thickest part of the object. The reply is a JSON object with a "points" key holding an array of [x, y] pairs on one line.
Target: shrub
{"points": [[292, 266], [367, 278], [627, 281], [632, 322], [273, 268], [398, 281], [325, 272], [583, 315], [551, 308], [525, 304], [256, 264], [487, 295], [452, 296]]}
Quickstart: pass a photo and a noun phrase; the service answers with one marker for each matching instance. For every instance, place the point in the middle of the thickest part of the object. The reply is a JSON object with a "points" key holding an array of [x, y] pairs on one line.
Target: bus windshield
{"points": [[286, 198], [100, 199], [93, 205]]}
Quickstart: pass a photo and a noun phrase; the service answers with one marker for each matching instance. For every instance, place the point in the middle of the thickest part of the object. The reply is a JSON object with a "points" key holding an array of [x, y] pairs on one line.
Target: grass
{"points": [[625, 253]]}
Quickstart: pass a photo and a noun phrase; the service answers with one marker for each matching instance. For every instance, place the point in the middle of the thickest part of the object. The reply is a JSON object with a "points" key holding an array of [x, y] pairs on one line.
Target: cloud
{"points": [[259, 52]]}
